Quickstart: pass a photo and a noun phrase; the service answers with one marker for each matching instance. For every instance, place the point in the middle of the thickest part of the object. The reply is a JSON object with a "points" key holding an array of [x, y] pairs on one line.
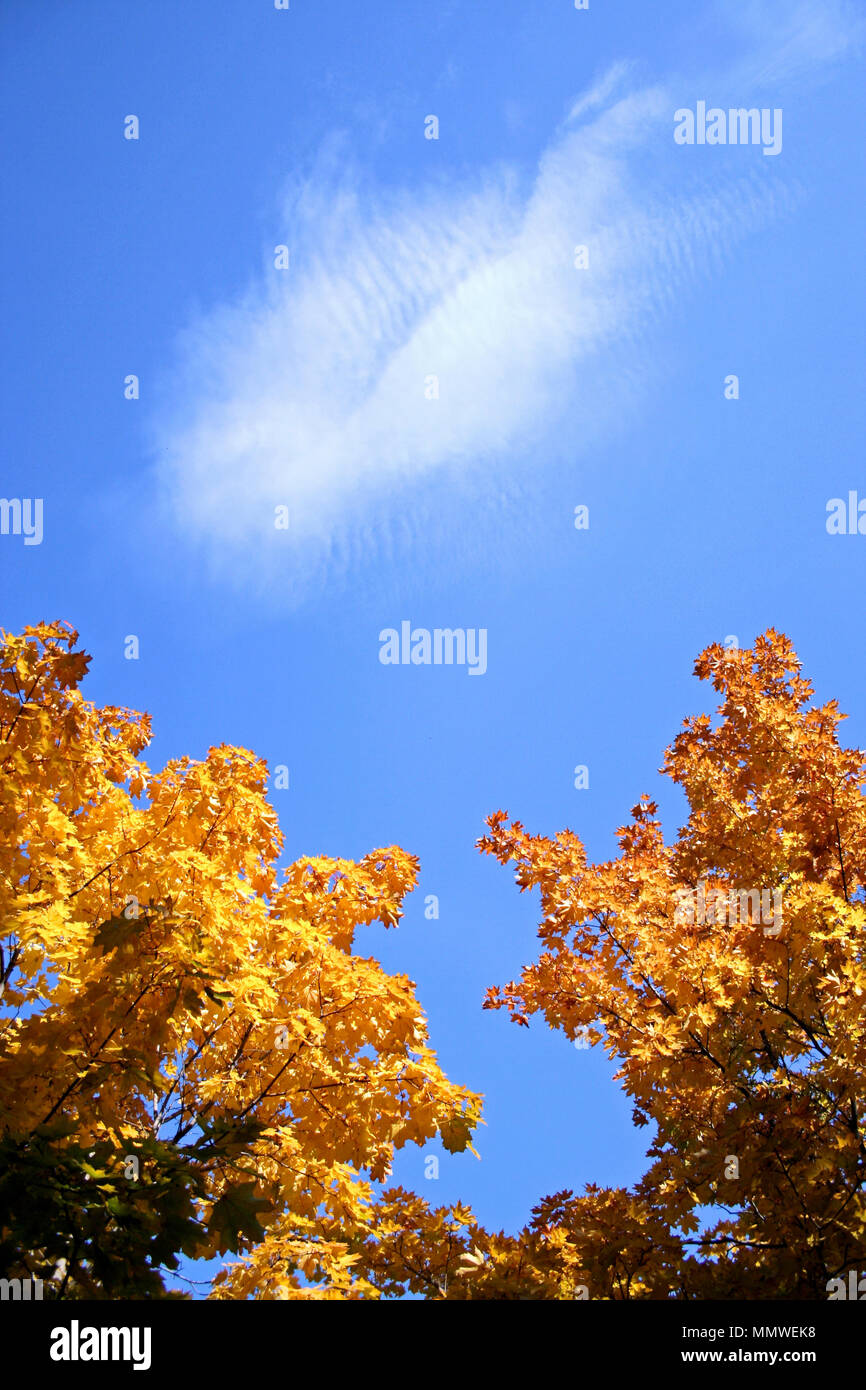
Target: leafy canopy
{"points": [[193, 1059], [740, 1034], [167, 997]]}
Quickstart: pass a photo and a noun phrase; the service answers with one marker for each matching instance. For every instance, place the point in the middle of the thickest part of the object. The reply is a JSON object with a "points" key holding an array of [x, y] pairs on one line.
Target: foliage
{"points": [[740, 1035], [192, 1057], [169, 996]]}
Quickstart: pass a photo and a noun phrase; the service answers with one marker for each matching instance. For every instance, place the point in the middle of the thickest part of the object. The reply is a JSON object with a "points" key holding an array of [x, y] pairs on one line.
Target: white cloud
{"points": [[602, 90], [796, 39], [310, 392]]}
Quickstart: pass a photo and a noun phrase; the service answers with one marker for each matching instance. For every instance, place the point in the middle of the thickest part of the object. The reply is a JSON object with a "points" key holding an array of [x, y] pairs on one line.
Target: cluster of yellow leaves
{"points": [[163, 979], [229, 1004], [734, 1042], [606, 1244]]}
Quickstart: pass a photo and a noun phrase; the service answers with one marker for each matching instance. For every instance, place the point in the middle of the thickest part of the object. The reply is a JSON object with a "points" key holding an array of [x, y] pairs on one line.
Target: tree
{"points": [[725, 974], [193, 1060]]}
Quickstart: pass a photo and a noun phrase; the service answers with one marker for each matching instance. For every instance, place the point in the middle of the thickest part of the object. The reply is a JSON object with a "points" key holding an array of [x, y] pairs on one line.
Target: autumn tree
{"points": [[193, 1058], [724, 972]]}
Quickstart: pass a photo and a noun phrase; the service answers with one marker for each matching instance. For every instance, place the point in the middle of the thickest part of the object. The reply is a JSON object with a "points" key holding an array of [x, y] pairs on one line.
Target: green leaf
{"points": [[117, 931], [236, 1215]]}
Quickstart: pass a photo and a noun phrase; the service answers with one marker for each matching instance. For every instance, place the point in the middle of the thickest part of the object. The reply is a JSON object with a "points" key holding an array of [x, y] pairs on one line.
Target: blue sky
{"points": [[558, 386]]}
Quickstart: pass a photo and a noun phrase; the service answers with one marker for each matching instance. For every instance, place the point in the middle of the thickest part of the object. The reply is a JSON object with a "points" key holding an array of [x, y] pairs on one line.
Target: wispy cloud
{"points": [[318, 383], [796, 38]]}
